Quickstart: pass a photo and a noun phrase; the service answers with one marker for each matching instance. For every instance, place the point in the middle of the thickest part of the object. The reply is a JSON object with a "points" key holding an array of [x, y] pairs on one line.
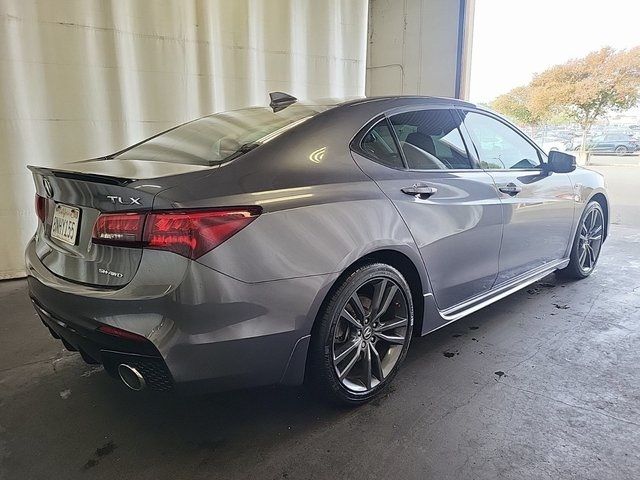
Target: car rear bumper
{"points": [[98, 347], [202, 329]]}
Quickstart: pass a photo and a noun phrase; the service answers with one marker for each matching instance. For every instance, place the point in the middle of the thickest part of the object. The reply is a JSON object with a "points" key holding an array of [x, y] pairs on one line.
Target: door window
{"points": [[500, 146], [379, 145], [431, 140]]}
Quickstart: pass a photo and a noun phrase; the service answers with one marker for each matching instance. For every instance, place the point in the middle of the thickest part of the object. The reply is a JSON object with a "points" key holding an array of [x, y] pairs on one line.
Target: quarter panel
{"points": [[224, 329], [310, 240]]}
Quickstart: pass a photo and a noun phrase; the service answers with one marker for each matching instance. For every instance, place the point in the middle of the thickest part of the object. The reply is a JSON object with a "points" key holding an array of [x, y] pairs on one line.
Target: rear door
{"points": [[419, 160], [538, 207], [608, 143]]}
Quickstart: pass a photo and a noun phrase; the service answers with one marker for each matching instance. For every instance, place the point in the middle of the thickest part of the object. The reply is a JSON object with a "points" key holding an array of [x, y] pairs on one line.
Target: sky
{"points": [[513, 39]]}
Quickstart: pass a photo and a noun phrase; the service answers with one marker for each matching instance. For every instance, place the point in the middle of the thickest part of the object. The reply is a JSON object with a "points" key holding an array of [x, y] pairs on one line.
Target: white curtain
{"points": [[83, 78]]}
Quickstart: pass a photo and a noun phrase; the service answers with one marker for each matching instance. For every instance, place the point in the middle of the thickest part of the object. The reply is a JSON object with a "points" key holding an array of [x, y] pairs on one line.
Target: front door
{"points": [[538, 207], [449, 204]]}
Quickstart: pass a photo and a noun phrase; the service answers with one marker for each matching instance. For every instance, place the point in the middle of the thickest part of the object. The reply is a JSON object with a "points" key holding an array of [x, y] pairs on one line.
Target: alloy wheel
{"points": [[369, 334], [590, 240]]}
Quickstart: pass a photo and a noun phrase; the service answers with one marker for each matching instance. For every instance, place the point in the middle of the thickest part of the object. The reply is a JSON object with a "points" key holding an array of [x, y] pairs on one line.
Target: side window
{"points": [[379, 144], [498, 145], [431, 140]]}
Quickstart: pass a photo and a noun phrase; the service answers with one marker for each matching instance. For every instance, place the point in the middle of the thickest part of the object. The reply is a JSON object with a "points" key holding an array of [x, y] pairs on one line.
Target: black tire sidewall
{"points": [[323, 374], [573, 269]]}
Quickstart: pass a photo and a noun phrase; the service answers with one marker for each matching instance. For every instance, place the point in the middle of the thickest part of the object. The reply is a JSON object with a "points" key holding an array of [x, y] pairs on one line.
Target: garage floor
{"points": [[544, 384]]}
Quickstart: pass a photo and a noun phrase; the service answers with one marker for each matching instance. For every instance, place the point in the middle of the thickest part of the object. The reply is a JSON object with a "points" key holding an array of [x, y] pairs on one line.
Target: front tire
{"points": [[362, 335], [587, 243]]}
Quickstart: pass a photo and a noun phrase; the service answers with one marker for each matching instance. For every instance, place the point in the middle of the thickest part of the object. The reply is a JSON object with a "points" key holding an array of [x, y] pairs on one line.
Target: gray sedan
{"points": [[301, 242]]}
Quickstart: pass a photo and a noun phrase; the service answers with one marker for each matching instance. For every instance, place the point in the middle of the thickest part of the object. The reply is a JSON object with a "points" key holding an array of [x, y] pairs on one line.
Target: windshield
{"points": [[213, 139]]}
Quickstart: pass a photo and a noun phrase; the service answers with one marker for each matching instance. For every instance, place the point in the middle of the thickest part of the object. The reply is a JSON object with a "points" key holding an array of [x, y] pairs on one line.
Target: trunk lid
{"points": [[129, 181], [78, 197]]}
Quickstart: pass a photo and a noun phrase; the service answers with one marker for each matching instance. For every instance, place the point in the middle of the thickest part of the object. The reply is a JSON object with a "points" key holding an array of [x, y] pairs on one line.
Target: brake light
{"points": [[120, 229], [41, 207], [196, 232], [190, 233]]}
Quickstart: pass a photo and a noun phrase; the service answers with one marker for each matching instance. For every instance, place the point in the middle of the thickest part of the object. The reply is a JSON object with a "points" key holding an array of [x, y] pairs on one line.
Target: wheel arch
{"points": [[410, 265], [604, 203], [404, 264], [395, 258]]}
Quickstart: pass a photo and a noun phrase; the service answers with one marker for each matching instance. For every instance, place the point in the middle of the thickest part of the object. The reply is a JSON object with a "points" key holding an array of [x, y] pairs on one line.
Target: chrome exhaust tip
{"points": [[131, 377]]}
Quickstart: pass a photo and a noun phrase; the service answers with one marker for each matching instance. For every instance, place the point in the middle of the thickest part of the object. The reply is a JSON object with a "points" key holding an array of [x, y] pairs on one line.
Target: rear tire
{"points": [[587, 243], [362, 335], [622, 150]]}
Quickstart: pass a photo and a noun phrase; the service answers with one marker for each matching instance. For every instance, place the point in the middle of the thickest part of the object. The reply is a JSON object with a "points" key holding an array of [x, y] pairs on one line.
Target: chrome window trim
{"points": [[356, 140]]}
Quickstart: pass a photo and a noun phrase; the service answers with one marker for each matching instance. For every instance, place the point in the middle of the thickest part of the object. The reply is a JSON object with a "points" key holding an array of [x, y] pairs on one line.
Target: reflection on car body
{"points": [[302, 242]]}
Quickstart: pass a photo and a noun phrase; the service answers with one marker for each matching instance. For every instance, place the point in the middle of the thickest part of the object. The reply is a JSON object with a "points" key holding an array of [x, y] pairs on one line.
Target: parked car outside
{"points": [[549, 144], [306, 242], [612, 143]]}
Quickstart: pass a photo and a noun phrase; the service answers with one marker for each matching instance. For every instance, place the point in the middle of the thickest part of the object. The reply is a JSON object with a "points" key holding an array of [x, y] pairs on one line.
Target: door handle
{"points": [[510, 189], [420, 191]]}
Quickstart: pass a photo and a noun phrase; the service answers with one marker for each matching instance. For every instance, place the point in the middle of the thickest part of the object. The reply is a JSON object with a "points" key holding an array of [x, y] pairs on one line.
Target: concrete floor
{"points": [[544, 384]]}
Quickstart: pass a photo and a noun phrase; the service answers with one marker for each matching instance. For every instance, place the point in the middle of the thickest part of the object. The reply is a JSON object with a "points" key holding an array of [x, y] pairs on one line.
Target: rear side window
{"points": [[380, 146], [618, 138], [431, 140]]}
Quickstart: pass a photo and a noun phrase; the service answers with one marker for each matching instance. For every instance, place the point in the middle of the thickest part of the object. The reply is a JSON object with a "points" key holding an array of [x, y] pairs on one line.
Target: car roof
{"points": [[423, 98], [354, 101]]}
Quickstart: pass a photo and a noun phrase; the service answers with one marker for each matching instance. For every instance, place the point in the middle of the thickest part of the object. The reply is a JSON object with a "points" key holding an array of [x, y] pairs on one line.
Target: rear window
{"points": [[617, 138], [379, 144], [213, 139]]}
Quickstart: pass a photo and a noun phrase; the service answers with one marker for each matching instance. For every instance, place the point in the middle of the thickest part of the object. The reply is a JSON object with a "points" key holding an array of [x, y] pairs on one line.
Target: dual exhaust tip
{"points": [[131, 377]]}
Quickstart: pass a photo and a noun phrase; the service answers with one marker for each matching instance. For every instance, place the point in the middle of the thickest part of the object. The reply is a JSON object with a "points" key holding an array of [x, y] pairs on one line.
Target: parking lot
{"points": [[543, 384]]}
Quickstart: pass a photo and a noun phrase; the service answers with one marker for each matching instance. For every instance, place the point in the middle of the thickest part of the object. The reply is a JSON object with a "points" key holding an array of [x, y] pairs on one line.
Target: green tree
{"points": [[585, 89], [516, 105]]}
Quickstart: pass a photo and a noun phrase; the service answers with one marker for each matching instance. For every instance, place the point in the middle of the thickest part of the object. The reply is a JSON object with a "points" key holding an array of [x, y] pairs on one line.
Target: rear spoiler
{"points": [[91, 177]]}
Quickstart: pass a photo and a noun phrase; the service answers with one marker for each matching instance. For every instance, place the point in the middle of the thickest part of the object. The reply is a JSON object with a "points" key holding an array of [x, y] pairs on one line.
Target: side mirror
{"points": [[560, 162]]}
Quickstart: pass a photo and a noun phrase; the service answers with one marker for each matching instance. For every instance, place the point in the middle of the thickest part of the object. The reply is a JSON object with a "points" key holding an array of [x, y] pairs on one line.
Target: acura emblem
{"points": [[47, 187]]}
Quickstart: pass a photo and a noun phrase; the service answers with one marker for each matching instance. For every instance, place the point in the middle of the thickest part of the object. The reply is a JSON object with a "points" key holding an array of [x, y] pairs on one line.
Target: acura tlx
{"points": [[301, 242]]}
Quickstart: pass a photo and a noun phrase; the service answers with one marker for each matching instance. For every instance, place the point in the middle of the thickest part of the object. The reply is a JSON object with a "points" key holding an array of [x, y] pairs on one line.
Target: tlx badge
{"points": [[116, 199]]}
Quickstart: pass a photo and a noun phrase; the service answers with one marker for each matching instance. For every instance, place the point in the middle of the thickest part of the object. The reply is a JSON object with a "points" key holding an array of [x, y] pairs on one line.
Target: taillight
{"points": [[121, 229], [41, 207], [190, 233], [194, 233]]}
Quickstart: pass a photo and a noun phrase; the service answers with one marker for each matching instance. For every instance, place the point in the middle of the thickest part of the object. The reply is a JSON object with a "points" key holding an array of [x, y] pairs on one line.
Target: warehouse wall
{"points": [[83, 78], [419, 47]]}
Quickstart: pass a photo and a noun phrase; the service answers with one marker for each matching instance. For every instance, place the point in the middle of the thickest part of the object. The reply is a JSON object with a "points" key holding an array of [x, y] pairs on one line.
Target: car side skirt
{"points": [[435, 319]]}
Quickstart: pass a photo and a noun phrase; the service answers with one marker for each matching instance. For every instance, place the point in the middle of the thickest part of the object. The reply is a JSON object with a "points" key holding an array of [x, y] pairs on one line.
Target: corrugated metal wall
{"points": [[83, 78]]}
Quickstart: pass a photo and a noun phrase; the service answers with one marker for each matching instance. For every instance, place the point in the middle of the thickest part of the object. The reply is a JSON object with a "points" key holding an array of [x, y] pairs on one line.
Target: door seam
{"points": [[403, 221]]}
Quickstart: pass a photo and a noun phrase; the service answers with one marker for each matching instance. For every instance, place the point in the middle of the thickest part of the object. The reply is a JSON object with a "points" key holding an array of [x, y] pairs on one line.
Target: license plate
{"points": [[65, 224]]}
